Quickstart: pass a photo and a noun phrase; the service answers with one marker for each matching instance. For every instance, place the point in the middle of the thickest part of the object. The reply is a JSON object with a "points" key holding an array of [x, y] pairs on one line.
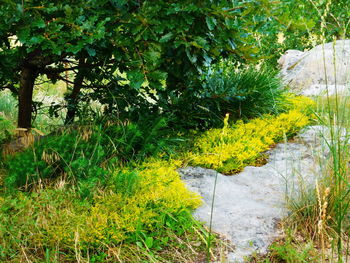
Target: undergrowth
{"points": [[106, 194]]}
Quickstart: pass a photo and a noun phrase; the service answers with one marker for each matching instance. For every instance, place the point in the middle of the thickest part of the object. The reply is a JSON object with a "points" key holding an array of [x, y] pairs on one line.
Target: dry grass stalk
{"points": [[24, 139]]}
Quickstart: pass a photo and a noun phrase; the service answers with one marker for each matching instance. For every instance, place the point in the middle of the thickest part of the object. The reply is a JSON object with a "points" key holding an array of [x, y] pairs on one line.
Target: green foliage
{"points": [[7, 105], [290, 252], [126, 182], [141, 210], [6, 129], [81, 153], [245, 93], [67, 153], [231, 148], [141, 221], [158, 45], [6, 116], [297, 24]]}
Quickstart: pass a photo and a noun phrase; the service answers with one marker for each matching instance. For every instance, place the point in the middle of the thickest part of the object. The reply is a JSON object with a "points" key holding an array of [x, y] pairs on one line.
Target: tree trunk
{"points": [[73, 97], [25, 96]]}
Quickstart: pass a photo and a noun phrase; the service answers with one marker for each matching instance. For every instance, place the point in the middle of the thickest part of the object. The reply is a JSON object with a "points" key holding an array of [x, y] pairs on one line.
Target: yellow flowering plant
{"points": [[243, 143]]}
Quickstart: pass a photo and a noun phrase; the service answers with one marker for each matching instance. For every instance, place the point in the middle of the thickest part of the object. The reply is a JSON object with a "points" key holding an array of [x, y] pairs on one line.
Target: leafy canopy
{"points": [[160, 45]]}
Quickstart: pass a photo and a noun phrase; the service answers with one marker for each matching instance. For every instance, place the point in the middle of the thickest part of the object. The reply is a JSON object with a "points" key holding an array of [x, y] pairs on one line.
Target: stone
{"points": [[249, 205], [325, 69]]}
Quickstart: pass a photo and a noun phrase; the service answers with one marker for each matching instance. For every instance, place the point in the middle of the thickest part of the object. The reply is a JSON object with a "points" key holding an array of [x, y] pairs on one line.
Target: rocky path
{"points": [[249, 205]]}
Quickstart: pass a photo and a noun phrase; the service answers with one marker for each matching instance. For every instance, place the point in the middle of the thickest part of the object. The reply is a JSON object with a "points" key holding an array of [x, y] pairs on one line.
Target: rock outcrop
{"points": [[325, 68], [249, 205]]}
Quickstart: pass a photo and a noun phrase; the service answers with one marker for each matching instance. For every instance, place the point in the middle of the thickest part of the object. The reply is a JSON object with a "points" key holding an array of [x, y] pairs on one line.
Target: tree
{"points": [[160, 45]]}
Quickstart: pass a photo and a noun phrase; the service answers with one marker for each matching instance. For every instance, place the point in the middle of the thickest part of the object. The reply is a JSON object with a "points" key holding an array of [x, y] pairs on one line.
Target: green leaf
{"points": [[68, 10], [211, 22], [39, 23], [37, 39], [230, 23], [166, 37], [136, 79], [119, 3], [75, 48], [139, 244], [91, 51], [152, 57], [158, 75], [192, 58], [23, 34], [149, 242]]}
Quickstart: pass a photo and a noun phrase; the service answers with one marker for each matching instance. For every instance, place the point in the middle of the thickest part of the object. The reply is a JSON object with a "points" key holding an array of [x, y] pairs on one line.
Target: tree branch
{"points": [[234, 8], [65, 80], [51, 70]]}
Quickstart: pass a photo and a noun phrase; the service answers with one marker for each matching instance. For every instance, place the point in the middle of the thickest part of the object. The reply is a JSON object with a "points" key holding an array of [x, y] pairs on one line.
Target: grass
{"points": [[333, 193], [43, 121], [8, 105], [135, 211], [117, 225], [320, 212]]}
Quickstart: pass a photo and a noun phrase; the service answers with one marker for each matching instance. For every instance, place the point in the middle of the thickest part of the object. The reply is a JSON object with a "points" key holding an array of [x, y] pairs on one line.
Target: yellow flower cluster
{"points": [[113, 217], [230, 149], [160, 192]]}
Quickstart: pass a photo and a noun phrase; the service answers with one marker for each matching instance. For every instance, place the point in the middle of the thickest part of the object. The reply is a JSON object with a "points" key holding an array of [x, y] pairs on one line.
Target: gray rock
{"points": [[248, 205], [322, 70]]}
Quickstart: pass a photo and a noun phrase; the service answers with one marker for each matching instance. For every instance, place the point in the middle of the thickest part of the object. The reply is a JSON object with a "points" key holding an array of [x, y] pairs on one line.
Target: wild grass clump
{"points": [[244, 93], [321, 211], [7, 115], [8, 105], [6, 129], [83, 153], [289, 250], [139, 220]]}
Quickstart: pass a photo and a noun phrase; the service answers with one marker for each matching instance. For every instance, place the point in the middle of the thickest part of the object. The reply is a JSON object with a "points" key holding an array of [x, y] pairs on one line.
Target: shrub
{"points": [[244, 94], [82, 153]]}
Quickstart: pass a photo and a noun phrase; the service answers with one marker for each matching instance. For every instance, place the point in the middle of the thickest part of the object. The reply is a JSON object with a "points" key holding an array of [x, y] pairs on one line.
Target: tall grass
{"points": [[8, 105], [336, 179], [321, 211]]}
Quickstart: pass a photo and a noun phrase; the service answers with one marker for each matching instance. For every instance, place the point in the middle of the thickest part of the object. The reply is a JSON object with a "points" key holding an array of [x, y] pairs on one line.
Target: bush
{"points": [[246, 94], [83, 153]]}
